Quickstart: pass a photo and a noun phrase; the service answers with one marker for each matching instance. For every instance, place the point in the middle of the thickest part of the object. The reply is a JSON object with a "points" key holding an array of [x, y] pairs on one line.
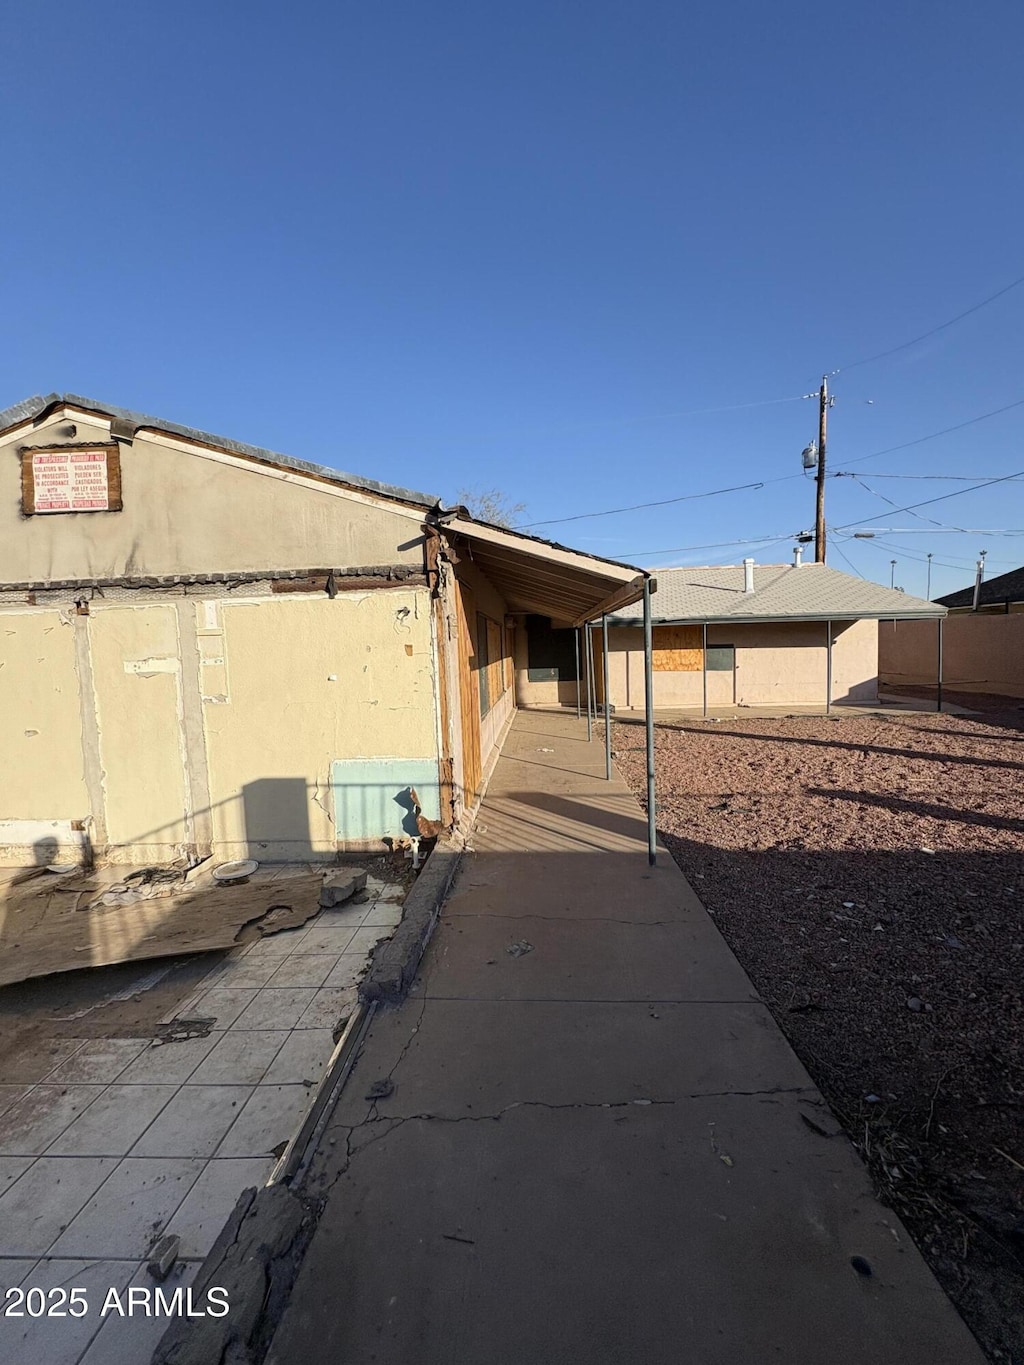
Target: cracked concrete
{"points": [[603, 1150]]}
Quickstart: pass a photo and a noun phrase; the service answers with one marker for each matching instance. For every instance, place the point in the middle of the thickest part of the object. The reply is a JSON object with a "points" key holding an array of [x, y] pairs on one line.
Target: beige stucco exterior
{"points": [[188, 510], [778, 663], [981, 653], [285, 686]]}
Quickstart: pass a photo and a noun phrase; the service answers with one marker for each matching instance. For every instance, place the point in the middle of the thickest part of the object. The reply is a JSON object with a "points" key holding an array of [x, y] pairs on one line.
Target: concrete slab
{"points": [[329, 1007], [169, 1063], [275, 1008], [39, 1118], [12, 1168], [615, 1234], [302, 1057], [270, 1116], [99, 1061], [559, 1052], [36, 1209], [304, 969], [194, 1121], [583, 959], [132, 1340], [131, 1208], [112, 1123], [10, 1094], [596, 1151], [34, 1063], [208, 1204], [13, 1271], [347, 970], [328, 938], [61, 1341], [223, 1003], [240, 1058]]}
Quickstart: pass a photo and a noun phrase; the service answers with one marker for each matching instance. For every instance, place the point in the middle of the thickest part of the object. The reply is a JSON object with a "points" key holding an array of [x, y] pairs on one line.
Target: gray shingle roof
{"points": [[30, 408], [1007, 587], [812, 592]]}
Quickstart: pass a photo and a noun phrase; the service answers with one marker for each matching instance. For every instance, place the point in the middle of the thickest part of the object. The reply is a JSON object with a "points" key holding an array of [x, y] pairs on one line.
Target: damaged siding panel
{"points": [[40, 730], [372, 801], [137, 675], [313, 681]]}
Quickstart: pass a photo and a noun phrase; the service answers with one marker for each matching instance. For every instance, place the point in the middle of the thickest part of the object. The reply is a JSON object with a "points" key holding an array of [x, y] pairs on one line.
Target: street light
{"points": [[892, 573], [928, 589]]}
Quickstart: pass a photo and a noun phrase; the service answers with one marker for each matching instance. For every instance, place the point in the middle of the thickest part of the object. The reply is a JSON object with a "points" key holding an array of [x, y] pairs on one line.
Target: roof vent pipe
{"points": [[798, 551], [748, 575]]}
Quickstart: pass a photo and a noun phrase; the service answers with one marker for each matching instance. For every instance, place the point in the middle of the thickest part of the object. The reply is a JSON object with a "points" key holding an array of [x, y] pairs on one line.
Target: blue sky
{"points": [[525, 246]]}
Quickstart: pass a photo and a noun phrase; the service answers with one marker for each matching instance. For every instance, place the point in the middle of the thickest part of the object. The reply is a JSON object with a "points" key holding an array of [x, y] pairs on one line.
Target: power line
{"points": [[931, 478], [944, 497], [904, 345], [843, 557], [715, 545], [640, 506], [971, 421]]}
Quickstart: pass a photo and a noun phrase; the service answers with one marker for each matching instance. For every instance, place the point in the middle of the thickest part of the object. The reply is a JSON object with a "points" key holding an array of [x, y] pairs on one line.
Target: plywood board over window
{"points": [[677, 649], [70, 478]]}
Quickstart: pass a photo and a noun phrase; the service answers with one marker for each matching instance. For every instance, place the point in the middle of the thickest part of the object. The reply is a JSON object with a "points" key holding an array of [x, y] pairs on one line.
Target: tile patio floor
{"points": [[119, 1140]]}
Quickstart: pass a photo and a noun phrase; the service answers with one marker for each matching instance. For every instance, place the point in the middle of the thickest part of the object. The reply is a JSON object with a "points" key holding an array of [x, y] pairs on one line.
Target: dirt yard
{"points": [[868, 873]]}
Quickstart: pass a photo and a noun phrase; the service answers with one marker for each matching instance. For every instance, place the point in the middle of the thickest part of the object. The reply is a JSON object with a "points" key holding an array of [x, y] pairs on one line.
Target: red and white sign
{"points": [[71, 481]]}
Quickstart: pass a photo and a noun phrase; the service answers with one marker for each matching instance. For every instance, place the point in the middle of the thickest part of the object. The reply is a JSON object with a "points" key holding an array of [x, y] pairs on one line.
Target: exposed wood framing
{"points": [[446, 762]]}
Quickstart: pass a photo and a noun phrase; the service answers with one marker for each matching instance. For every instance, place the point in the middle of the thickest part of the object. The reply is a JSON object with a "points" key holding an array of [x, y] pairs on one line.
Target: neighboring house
{"points": [[209, 647], [745, 635], [983, 650], [1003, 594]]}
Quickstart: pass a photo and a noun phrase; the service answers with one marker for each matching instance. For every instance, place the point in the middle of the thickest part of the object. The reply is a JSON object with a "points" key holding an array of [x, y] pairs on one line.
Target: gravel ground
{"points": [[867, 872]]}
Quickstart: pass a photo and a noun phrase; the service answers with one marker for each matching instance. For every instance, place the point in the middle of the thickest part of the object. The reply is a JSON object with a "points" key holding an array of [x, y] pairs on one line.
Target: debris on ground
{"points": [[380, 1090], [905, 1006], [519, 949]]}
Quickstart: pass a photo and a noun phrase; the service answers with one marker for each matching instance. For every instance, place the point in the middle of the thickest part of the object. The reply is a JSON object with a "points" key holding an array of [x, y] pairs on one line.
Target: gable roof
{"points": [[1008, 587], [129, 422], [782, 592]]}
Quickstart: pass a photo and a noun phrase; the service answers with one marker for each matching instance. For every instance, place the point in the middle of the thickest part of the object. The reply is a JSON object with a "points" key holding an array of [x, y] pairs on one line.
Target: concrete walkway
{"points": [[599, 1147]]}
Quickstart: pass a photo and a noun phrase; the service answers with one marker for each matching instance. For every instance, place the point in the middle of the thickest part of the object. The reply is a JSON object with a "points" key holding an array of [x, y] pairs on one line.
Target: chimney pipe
{"points": [[748, 575], [797, 556]]}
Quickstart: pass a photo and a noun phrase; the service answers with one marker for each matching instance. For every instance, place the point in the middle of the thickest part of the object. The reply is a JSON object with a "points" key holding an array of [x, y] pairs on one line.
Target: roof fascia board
{"points": [[281, 473], [624, 597], [542, 549], [771, 620]]}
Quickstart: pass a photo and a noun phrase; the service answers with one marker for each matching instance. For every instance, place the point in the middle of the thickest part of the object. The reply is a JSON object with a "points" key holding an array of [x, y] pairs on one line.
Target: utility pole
{"points": [[824, 403]]}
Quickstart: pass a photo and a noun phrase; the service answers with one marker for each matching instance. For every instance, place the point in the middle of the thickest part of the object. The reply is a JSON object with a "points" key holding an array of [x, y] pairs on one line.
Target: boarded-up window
{"points": [[496, 673], [489, 662], [677, 649]]}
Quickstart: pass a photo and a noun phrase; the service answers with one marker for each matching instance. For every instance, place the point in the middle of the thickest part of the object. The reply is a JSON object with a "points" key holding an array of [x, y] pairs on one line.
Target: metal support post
{"points": [[704, 668], [828, 667], [652, 829], [607, 702], [938, 687], [576, 638], [588, 662]]}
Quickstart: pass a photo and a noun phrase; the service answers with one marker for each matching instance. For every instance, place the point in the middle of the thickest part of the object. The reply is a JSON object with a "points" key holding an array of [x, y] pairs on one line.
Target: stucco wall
{"points": [[216, 721], [42, 778], [777, 664], [981, 653], [191, 510]]}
